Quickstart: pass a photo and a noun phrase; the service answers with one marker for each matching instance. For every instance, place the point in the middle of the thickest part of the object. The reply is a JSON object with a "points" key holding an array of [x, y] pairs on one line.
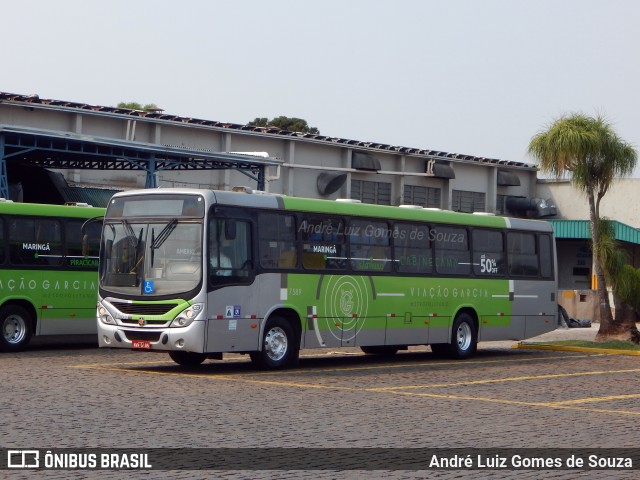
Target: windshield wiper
{"points": [[156, 242], [131, 235], [135, 243]]}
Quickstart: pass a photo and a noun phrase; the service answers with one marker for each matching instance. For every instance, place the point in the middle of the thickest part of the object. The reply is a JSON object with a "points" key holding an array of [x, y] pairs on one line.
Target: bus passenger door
{"points": [[232, 325]]}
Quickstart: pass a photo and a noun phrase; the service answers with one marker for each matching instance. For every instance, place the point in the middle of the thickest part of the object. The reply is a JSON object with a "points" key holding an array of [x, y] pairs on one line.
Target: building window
{"points": [[378, 193], [464, 201], [423, 196]]}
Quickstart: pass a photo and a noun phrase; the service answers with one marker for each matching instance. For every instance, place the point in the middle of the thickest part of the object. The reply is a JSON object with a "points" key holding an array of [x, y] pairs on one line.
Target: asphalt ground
{"points": [[57, 395]]}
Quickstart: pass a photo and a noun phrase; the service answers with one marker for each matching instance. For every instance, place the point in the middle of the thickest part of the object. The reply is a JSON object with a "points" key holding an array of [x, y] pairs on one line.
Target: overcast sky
{"points": [[477, 77]]}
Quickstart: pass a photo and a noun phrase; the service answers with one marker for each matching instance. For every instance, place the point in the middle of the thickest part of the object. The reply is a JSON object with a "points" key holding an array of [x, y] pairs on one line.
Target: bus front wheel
{"points": [[464, 339], [187, 359], [17, 327], [279, 346]]}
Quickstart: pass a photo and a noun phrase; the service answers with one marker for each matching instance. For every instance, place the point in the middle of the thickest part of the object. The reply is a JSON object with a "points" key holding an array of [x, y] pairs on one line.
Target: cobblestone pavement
{"points": [[56, 397]]}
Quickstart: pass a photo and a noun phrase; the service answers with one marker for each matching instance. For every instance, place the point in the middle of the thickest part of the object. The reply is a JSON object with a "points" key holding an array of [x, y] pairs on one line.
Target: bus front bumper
{"points": [[187, 339]]}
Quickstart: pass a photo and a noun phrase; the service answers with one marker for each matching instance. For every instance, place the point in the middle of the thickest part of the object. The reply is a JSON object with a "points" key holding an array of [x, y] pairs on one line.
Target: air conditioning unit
{"points": [[532, 207]]}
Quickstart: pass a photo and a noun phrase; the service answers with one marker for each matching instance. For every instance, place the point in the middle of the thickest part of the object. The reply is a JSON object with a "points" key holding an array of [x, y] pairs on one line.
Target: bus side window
{"points": [[546, 257], [412, 250], [2, 242], [323, 244], [370, 246], [521, 251], [451, 250], [229, 248], [488, 253], [277, 240], [35, 241]]}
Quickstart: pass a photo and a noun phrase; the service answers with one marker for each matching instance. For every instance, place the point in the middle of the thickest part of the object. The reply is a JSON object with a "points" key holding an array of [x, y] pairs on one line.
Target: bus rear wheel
{"points": [[17, 326], [464, 339], [279, 346], [188, 359]]}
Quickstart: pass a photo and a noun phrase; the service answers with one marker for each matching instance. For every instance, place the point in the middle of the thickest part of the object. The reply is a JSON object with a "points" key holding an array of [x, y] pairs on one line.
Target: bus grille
{"points": [[144, 309], [150, 323], [135, 335]]}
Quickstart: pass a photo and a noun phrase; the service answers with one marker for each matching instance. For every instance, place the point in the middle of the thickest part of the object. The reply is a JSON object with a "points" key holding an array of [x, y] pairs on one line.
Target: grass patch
{"points": [[609, 345]]}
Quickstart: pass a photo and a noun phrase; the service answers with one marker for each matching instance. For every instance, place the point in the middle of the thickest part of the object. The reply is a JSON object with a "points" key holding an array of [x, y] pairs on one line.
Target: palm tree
{"points": [[588, 150], [623, 278]]}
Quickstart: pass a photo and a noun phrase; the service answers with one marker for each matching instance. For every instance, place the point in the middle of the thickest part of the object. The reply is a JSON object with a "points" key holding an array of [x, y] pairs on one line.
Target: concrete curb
{"points": [[567, 348]]}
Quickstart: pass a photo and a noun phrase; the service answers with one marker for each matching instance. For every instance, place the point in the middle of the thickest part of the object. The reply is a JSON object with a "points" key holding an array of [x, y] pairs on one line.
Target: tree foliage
{"points": [[291, 124], [149, 107], [588, 150], [623, 277]]}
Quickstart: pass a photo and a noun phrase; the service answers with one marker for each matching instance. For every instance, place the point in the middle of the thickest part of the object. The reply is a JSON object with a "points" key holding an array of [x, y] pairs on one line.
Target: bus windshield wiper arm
{"points": [[131, 235], [164, 234], [156, 242]]}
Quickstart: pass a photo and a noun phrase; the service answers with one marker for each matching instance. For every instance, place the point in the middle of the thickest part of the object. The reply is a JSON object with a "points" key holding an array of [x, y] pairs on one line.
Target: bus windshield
{"points": [[155, 258]]}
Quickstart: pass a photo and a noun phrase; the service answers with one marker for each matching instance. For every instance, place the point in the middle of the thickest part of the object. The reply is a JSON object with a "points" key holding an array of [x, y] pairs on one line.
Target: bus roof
{"points": [[257, 199], [46, 210]]}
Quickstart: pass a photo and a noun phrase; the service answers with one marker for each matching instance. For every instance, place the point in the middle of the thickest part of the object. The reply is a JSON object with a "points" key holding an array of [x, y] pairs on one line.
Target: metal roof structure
{"points": [[96, 197], [581, 230], [68, 150], [160, 115]]}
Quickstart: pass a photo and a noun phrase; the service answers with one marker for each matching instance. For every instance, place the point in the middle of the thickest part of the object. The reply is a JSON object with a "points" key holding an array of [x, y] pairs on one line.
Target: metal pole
{"points": [[152, 181], [4, 183], [261, 178]]}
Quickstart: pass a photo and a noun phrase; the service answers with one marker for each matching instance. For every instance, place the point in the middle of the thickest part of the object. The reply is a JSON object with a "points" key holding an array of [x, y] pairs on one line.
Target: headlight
{"points": [[187, 316], [104, 316]]}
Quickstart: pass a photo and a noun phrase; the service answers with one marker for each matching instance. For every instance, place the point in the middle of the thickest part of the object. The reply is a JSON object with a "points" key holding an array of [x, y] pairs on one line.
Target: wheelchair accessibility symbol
{"points": [[149, 287]]}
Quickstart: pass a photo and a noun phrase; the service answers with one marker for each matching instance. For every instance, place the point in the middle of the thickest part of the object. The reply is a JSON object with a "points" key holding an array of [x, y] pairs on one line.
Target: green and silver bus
{"points": [[48, 271], [197, 273]]}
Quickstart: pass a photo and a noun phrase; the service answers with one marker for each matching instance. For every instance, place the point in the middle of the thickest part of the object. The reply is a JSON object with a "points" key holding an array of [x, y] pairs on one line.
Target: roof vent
{"points": [[77, 204], [242, 189], [330, 182]]}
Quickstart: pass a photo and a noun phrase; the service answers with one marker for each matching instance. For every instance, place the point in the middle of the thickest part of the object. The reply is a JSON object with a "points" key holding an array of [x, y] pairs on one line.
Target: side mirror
{"points": [[108, 248], [85, 245]]}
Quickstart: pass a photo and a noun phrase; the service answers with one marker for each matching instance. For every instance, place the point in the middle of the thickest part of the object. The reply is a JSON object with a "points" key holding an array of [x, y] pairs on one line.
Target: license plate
{"points": [[144, 344]]}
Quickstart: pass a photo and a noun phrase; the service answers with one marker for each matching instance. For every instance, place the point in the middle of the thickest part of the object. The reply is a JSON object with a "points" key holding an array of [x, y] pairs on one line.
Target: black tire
{"points": [[384, 350], [280, 348], [188, 359], [464, 339], [16, 327]]}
